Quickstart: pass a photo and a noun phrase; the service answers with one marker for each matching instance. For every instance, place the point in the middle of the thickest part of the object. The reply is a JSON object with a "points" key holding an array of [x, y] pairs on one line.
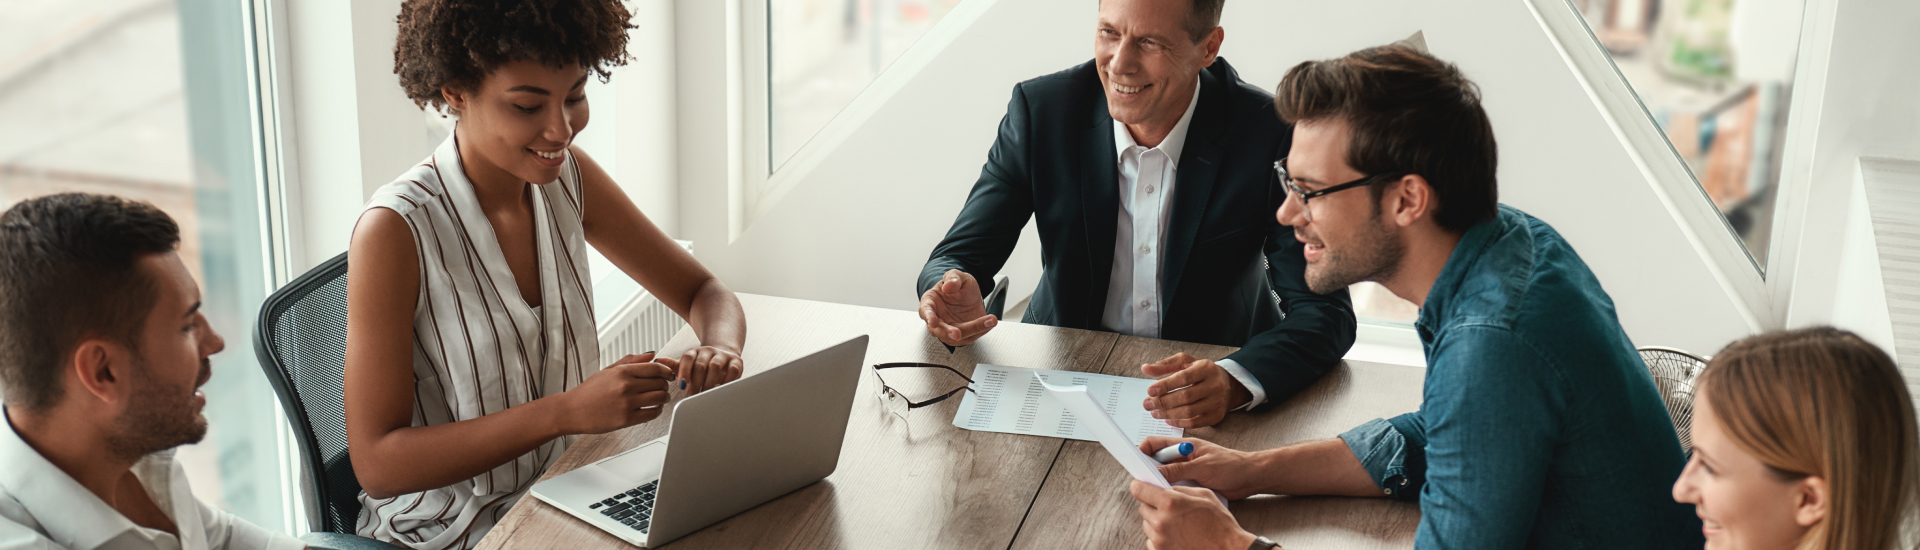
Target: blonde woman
{"points": [[1803, 439]]}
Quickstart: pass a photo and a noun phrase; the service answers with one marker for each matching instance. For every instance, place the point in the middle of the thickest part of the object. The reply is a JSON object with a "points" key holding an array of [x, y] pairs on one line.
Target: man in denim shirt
{"points": [[1539, 425]]}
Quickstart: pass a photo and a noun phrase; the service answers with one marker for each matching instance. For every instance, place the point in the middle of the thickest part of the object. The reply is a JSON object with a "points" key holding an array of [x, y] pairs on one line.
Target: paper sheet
{"points": [[1124, 451], [1081, 404], [1013, 400]]}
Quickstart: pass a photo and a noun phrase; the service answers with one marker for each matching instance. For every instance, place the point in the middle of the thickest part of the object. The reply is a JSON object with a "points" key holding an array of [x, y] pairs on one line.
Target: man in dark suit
{"points": [[1150, 172]]}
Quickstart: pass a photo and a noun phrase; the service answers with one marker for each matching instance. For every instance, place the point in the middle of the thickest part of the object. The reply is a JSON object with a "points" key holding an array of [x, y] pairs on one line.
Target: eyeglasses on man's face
{"points": [[1294, 190], [899, 404]]}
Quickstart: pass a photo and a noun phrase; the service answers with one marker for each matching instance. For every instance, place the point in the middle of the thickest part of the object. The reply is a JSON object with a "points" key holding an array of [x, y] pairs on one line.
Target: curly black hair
{"points": [[455, 43]]}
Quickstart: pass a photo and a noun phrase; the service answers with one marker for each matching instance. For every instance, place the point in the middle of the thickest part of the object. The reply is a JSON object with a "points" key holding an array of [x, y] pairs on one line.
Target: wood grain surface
{"points": [[913, 482], [1084, 503]]}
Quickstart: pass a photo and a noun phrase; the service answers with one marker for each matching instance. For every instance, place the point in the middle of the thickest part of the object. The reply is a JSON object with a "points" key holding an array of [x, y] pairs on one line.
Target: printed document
{"points": [[1015, 400]]}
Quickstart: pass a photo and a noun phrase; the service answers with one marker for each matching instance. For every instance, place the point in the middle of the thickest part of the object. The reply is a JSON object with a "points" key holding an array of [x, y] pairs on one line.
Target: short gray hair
{"points": [[1203, 16]]}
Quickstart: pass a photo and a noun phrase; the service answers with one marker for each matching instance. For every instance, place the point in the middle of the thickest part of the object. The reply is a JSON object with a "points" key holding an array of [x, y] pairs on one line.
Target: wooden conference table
{"points": [[923, 483]]}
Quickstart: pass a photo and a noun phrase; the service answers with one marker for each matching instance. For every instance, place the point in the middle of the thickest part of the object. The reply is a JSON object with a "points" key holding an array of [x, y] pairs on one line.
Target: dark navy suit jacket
{"points": [[1231, 276]]}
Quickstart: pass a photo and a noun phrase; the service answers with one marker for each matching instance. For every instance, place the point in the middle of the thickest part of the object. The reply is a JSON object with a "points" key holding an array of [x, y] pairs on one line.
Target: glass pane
{"points": [[148, 100], [822, 53], [1716, 75]]}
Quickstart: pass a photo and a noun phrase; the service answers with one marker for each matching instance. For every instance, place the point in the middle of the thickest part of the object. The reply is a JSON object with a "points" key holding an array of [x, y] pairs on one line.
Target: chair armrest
{"points": [[997, 300]]}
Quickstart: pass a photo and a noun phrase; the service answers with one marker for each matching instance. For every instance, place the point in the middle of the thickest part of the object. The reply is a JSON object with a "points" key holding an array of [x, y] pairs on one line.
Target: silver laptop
{"points": [[734, 447]]}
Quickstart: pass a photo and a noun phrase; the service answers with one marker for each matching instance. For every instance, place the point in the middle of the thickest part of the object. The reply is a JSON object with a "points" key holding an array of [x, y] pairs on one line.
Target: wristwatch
{"points": [[1263, 543]]}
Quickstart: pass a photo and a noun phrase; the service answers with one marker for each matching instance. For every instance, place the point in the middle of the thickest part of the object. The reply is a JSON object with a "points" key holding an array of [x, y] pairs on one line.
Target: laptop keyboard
{"points": [[632, 507]]}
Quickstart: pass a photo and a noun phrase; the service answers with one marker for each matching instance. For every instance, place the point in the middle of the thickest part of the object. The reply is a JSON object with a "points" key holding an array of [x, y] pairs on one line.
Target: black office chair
{"points": [[301, 341], [997, 299]]}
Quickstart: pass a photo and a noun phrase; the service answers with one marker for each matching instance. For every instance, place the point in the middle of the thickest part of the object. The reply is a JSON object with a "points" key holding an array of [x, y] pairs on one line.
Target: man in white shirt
{"points": [[102, 345], [1149, 171]]}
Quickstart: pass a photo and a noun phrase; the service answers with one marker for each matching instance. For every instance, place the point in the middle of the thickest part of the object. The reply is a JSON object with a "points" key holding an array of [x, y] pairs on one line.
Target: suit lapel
{"points": [[1193, 184], [1100, 204]]}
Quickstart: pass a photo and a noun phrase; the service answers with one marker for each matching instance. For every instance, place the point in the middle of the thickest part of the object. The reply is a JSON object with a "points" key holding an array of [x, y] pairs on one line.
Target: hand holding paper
{"points": [[1084, 408]]}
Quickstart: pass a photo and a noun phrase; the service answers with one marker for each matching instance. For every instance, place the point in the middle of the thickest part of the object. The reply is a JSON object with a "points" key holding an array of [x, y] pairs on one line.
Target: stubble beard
{"points": [[158, 418], [1374, 255]]}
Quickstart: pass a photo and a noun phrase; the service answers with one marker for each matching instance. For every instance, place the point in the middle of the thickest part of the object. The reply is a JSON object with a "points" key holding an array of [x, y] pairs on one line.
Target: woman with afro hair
{"points": [[472, 357]]}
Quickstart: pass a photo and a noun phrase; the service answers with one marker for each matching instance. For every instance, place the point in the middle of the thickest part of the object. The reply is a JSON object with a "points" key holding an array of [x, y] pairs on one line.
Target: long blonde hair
{"points": [[1824, 402]]}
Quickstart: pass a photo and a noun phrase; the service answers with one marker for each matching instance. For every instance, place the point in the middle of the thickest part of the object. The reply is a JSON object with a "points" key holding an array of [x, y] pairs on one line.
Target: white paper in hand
{"points": [[1095, 419]]}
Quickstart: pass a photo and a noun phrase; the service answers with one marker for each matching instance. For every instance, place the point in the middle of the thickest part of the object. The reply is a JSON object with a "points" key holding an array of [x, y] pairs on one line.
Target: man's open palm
{"points": [[954, 310]]}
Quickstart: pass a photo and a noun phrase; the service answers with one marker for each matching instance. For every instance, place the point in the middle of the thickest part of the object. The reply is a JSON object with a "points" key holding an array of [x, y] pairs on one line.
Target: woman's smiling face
{"points": [[1742, 503], [521, 118]]}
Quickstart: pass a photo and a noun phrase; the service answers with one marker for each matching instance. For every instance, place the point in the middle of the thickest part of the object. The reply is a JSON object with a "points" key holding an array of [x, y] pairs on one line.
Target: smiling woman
{"points": [[1803, 439], [475, 359]]}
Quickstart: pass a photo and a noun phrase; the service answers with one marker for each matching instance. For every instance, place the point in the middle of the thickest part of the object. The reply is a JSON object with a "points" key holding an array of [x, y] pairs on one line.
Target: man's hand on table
{"points": [[954, 310], [1206, 391], [1186, 517]]}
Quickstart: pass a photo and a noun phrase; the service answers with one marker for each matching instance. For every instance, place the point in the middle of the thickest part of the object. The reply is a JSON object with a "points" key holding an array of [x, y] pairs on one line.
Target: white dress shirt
{"points": [[42, 508], [1147, 176]]}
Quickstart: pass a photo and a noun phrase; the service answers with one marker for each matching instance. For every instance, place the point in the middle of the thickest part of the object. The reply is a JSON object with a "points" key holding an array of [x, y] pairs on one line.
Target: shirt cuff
{"points": [[1382, 450], [1246, 379]]}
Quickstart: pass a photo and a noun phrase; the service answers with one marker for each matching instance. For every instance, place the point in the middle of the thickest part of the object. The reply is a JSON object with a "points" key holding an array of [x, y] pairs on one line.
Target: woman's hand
{"points": [[1186, 517], [629, 392], [705, 367]]}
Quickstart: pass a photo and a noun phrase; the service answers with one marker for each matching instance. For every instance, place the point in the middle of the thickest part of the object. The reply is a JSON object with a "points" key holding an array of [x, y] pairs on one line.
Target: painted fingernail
{"points": [[683, 384]]}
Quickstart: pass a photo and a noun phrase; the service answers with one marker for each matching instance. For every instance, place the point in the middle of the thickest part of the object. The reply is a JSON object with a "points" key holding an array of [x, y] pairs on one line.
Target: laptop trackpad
{"points": [[640, 465]]}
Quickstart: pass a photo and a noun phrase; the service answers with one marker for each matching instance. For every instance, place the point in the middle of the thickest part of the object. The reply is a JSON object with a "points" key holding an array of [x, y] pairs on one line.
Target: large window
{"points": [[149, 99], [822, 53], [1716, 76]]}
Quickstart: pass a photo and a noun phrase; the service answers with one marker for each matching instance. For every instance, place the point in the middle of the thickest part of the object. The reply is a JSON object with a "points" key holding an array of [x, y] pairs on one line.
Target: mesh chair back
{"points": [[301, 341], [1673, 373]]}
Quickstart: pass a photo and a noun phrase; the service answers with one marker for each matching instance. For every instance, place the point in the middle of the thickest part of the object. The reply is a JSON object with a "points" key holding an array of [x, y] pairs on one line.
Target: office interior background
{"points": [[1716, 162]]}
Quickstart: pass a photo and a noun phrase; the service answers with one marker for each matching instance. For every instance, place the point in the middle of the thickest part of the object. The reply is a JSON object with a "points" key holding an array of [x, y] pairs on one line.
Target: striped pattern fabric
{"points": [[1893, 203], [478, 348]]}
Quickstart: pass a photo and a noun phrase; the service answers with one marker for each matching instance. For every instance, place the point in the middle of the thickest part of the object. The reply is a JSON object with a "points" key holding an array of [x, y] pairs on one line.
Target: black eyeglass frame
{"points": [[911, 404], [1280, 170]]}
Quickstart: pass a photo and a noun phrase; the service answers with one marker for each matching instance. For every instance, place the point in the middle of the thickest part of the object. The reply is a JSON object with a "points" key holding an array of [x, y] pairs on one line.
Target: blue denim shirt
{"points": [[1539, 425]]}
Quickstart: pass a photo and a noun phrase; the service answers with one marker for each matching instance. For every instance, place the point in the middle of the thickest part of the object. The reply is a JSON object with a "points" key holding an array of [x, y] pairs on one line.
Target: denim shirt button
{"points": [[1391, 481]]}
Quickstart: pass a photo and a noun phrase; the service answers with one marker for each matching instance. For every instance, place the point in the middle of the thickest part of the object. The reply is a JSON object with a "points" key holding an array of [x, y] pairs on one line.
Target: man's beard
{"points": [[158, 417], [1372, 255]]}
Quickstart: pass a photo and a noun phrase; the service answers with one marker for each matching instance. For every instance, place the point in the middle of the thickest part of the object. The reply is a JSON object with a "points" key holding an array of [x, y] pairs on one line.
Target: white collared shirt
{"points": [[1146, 179], [42, 508]]}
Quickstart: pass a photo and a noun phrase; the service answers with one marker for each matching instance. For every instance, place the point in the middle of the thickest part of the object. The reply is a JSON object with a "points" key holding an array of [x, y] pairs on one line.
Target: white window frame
{"points": [[275, 168], [1761, 296], [754, 187]]}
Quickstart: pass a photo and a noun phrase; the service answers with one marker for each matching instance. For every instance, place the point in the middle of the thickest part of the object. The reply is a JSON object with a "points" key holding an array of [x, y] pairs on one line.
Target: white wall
{"points": [[860, 226], [355, 130], [325, 187], [1868, 108]]}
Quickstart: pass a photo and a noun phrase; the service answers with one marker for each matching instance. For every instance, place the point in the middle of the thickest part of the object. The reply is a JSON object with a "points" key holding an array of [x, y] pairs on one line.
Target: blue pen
{"points": [[1171, 453]]}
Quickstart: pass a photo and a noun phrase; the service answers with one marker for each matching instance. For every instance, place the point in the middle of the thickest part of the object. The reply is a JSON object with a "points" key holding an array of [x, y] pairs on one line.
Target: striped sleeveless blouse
{"points": [[478, 348]]}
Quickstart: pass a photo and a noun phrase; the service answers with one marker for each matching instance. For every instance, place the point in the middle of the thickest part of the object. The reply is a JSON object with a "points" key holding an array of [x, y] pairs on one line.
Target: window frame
{"points": [[275, 169], [1760, 293], [754, 187]]}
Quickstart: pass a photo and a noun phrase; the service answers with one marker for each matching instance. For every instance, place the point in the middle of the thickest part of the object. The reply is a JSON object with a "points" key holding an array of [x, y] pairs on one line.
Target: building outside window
{"points": [[1717, 76]]}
